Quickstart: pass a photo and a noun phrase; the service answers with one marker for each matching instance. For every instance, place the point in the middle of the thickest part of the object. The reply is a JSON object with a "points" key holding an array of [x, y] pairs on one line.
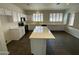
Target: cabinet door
{"points": [[20, 32], [15, 17], [19, 16], [1, 11], [38, 47], [23, 30], [8, 12]]}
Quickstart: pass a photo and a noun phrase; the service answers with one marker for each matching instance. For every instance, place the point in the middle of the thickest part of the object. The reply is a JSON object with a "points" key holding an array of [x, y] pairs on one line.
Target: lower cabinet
{"points": [[17, 33]]}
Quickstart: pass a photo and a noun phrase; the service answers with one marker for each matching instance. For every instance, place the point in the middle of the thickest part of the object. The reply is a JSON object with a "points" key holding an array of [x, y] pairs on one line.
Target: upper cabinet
{"points": [[2, 12], [5, 12], [15, 16], [21, 15], [8, 12]]}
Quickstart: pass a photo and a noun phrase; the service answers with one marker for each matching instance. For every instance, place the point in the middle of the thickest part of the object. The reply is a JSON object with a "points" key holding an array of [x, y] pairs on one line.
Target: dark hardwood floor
{"points": [[64, 44], [20, 47]]}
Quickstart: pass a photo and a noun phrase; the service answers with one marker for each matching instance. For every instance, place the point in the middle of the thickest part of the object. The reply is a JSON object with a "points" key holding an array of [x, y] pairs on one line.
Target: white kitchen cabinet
{"points": [[21, 15], [2, 12], [17, 33], [15, 17], [5, 12], [31, 27], [8, 12]]}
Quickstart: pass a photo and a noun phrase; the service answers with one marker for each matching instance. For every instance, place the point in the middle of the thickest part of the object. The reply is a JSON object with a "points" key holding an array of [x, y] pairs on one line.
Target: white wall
{"points": [[3, 48]]}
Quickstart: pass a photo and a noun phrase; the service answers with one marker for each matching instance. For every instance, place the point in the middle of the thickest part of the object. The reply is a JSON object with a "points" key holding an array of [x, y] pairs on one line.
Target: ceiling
{"points": [[48, 6]]}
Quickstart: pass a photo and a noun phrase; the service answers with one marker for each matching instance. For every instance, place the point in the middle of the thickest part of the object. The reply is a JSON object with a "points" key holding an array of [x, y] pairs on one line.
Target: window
{"points": [[56, 17], [71, 20], [38, 17]]}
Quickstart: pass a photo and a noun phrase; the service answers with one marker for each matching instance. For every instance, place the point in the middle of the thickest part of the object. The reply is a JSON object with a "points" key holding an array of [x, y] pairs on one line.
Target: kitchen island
{"points": [[38, 40]]}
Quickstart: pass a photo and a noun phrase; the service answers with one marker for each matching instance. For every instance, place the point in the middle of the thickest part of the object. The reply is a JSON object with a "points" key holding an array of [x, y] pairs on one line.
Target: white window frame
{"points": [[71, 19], [56, 17], [37, 17]]}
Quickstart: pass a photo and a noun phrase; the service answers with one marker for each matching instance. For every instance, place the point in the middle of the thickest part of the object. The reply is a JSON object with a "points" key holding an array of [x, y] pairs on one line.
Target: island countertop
{"points": [[41, 32]]}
